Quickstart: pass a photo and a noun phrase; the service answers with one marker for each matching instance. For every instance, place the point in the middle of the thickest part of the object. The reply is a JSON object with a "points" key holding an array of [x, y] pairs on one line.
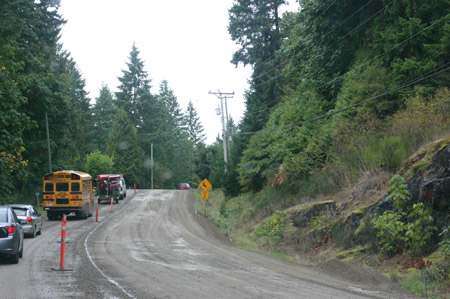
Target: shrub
{"points": [[275, 228], [397, 229], [390, 231], [419, 229], [445, 243]]}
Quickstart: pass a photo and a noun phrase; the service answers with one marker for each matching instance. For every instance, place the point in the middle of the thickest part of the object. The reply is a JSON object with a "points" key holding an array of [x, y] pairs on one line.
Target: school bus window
{"points": [[48, 187], [62, 187], [75, 187]]}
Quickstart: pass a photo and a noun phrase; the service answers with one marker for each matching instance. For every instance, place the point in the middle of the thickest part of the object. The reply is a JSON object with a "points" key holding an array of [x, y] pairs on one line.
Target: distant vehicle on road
{"points": [[108, 187], [33, 219], [123, 188], [183, 186], [11, 234], [66, 192]]}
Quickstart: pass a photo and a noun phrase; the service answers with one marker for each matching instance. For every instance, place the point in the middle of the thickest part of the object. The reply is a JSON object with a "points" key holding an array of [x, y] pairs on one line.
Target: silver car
{"points": [[123, 188], [11, 234], [33, 219]]}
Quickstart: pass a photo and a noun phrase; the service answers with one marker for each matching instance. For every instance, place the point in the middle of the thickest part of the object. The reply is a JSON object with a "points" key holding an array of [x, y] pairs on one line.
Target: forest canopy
{"points": [[328, 83]]}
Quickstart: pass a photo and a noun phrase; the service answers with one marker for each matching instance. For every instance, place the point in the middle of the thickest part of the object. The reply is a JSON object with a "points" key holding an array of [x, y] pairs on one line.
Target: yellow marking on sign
{"points": [[205, 185], [205, 195]]}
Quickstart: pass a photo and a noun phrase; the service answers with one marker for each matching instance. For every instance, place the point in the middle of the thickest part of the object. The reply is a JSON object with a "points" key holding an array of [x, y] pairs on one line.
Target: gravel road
{"points": [[154, 245]]}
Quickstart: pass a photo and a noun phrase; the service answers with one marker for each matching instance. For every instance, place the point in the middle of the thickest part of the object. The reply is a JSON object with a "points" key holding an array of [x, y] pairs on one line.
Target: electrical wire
{"points": [[363, 64], [409, 83]]}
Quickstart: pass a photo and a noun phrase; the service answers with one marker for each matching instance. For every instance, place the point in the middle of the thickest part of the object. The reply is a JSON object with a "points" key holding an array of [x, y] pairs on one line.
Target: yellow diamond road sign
{"points": [[205, 185]]}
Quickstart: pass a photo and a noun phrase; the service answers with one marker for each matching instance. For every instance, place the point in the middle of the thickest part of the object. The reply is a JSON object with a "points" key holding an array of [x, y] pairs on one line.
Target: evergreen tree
{"points": [[79, 119], [255, 26], [134, 90], [103, 114], [44, 81], [167, 96], [178, 150], [194, 127], [123, 146]]}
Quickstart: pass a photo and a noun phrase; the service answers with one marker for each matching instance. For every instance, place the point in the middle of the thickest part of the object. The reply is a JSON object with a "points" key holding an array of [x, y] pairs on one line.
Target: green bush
{"points": [[97, 163], [275, 228], [399, 230], [391, 229], [445, 242], [419, 228]]}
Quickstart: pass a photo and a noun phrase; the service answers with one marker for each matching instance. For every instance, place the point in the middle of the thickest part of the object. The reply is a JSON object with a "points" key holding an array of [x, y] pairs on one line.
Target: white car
{"points": [[123, 188]]}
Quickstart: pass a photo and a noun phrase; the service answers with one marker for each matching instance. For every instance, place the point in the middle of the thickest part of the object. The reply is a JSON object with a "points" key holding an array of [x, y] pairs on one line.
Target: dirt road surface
{"points": [[154, 245]]}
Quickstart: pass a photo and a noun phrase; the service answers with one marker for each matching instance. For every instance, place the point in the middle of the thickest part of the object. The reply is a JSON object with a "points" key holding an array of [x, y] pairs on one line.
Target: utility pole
{"points": [[48, 145], [227, 125], [151, 161], [222, 96]]}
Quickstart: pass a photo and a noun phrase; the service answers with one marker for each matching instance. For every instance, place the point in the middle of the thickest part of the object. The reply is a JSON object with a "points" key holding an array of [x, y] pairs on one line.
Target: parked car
{"points": [[123, 188], [183, 186], [33, 226], [11, 234]]}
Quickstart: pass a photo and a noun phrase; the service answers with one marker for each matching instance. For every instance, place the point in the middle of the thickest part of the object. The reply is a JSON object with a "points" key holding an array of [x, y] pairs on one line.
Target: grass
{"points": [[238, 217]]}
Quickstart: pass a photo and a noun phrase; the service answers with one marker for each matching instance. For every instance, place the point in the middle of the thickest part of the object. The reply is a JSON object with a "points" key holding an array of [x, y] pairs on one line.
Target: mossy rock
{"points": [[303, 213], [420, 161], [351, 254]]}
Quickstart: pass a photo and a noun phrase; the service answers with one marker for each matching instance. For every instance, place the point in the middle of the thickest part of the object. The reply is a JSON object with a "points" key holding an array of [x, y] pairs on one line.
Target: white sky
{"points": [[184, 42]]}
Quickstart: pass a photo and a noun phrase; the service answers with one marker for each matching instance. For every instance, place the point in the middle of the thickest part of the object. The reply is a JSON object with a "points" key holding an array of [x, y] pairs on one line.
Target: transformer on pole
{"points": [[222, 96]]}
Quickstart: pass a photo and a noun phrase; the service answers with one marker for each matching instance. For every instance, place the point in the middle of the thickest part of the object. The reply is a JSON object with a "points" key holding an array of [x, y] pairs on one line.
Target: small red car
{"points": [[183, 186]]}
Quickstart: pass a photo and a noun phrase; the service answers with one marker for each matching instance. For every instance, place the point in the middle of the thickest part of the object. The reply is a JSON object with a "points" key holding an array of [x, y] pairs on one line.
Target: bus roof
{"points": [[81, 174]]}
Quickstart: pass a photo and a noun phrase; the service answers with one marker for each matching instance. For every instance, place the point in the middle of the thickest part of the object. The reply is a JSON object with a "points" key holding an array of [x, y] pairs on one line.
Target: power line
{"points": [[385, 52], [409, 83], [363, 64]]}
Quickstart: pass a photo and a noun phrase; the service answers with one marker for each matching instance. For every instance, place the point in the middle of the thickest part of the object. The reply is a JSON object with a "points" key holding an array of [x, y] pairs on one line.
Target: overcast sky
{"points": [[184, 42]]}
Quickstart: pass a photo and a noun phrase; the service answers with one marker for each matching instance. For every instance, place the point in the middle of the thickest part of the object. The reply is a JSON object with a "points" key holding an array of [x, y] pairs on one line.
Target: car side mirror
{"points": [[23, 221]]}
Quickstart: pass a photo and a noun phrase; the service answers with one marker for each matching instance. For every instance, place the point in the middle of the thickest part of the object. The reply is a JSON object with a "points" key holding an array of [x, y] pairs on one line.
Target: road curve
{"points": [[154, 245], [158, 247]]}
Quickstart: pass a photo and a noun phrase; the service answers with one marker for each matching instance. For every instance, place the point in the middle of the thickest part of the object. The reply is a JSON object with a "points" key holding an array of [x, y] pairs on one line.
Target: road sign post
{"points": [[37, 198], [205, 185]]}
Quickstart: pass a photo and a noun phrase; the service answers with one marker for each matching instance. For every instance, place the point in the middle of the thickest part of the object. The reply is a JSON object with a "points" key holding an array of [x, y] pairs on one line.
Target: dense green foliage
{"points": [[337, 89], [341, 71], [112, 134]]}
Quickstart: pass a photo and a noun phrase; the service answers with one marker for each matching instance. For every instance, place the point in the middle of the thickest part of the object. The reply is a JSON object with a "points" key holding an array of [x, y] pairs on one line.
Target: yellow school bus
{"points": [[66, 192]]}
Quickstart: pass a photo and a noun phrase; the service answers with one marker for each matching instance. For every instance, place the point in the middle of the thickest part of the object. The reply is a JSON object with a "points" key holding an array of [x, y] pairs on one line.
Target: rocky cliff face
{"points": [[428, 176]]}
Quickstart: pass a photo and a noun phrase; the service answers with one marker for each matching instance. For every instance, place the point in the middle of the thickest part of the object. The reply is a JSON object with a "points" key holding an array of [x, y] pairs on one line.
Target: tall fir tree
{"points": [[134, 88], [123, 146], [167, 96], [103, 113], [255, 26], [194, 126]]}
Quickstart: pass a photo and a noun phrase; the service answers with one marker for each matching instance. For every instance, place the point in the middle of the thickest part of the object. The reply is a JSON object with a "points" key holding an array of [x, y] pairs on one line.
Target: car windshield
{"points": [[3, 216], [20, 212]]}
